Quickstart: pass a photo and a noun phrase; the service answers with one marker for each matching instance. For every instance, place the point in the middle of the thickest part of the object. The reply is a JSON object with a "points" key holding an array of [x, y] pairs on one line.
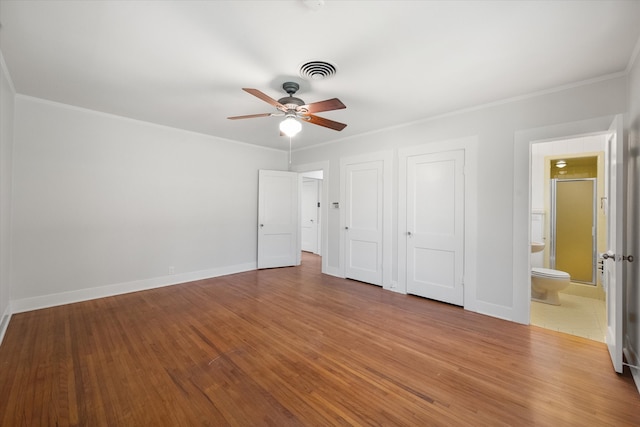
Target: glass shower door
{"points": [[573, 228]]}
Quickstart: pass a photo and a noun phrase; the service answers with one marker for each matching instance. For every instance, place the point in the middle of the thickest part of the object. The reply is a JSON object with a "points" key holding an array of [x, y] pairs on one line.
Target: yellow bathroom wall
{"points": [[582, 167]]}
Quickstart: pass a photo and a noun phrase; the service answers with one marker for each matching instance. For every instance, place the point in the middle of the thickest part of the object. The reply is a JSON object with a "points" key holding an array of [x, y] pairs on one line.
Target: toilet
{"points": [[545, 284]]}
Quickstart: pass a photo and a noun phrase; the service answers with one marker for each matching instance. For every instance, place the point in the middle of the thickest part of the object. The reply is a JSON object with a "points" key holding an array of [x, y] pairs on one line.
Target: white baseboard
{"points": [[390, 285], [632, 359], [52, 300], [494, 310], [4, 322], [331, 271]]}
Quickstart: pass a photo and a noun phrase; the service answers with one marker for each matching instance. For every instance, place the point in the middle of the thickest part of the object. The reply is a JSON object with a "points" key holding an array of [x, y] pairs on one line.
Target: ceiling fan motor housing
{"points": [[291, 102]]}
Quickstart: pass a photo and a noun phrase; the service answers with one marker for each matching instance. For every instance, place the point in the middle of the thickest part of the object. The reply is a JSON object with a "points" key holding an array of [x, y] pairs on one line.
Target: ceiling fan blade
{"points": [[321, 121], [328, 105], [250, 116], [266, 98]]}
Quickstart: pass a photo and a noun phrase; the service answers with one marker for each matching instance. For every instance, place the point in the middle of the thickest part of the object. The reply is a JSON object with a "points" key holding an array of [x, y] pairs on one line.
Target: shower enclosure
{"points": [[573, 228]]}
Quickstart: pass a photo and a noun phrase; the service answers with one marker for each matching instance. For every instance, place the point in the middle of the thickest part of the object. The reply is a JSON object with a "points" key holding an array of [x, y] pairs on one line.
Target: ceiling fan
{"points": [[293, 108]]}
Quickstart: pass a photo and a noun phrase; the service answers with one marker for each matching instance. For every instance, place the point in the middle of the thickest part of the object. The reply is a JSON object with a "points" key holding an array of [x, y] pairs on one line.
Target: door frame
{"points": [[324, 207], [386, 158], [470, 147], [523, 141]]}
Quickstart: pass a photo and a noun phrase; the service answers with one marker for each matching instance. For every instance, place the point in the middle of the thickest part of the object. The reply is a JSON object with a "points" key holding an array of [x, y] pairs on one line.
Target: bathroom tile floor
{"points": [[581, 316]]}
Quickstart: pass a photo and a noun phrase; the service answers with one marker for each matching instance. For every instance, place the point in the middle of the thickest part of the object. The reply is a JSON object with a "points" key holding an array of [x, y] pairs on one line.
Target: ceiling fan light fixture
{"points": [[290, 126]]}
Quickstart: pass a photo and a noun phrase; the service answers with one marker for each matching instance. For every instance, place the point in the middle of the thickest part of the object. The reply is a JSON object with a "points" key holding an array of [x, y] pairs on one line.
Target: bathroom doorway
{"points": [[567, 188]]}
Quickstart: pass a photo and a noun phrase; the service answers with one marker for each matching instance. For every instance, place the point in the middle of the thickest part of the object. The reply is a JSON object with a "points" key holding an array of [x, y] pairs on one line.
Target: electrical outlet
{"points": [[172, 270]]}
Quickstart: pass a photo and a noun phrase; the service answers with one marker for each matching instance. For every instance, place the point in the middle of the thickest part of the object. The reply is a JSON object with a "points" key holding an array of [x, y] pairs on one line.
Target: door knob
{"points": [[609, 255], [627, 258], [409, 233], [346, 228], [261, 225]]}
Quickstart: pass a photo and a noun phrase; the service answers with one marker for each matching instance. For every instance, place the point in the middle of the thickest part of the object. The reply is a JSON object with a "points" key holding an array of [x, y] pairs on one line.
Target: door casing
{"points": [[522, 211], [470, 147]]}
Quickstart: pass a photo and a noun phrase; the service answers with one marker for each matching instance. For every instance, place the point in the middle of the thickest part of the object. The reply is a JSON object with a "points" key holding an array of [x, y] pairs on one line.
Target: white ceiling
{"points": [[183, 63]]}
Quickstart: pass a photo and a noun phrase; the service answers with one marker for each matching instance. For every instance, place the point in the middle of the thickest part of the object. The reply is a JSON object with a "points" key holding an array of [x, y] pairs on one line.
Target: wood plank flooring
{"points": [[292, 347]]}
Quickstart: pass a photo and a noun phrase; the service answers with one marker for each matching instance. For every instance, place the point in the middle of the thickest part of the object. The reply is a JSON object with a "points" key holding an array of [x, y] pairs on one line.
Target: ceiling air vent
{"points": [[317, 70]]}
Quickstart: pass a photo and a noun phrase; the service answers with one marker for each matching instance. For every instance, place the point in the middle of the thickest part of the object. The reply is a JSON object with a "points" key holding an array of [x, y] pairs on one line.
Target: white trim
{"points": [[632, 359], [4, 321], [334, 271], [6, 316], [7, 75], [386, 157], [633, 57], [473, 108], [494, 310], [470, 147], [52, 300], [523, 141]]}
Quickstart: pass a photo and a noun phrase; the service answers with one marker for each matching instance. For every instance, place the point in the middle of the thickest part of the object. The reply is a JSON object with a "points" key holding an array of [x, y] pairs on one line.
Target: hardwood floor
{"points": [[286, 347]]}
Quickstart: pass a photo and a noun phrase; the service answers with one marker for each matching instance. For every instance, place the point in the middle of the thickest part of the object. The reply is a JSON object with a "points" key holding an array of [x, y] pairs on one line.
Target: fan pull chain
{"points": [[289, 150]]}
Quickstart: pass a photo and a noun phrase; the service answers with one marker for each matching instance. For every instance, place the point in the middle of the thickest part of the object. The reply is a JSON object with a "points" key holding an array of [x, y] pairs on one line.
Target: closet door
{"points": [[363, 223], [435, 226]]}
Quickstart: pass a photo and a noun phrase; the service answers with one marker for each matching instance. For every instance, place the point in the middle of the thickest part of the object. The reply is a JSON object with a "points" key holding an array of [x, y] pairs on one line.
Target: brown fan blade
{"points": [[250, 116], [266, 98], [321, 121], [328, 105]]}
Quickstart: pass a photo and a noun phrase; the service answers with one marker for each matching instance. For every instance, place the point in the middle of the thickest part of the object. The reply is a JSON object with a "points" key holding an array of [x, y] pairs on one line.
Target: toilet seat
{"points": [[549, 273]]}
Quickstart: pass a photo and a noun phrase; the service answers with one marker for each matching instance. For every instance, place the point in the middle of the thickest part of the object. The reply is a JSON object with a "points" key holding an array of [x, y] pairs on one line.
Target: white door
{"points": [[278, 219], [435, 226], [613, 258], [309, 221], [363, 222]]}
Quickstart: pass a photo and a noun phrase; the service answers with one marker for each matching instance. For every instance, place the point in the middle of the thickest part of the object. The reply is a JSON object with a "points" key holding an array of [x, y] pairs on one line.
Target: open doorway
{"points": [[317, 171], [554, 165], [310, 212]]}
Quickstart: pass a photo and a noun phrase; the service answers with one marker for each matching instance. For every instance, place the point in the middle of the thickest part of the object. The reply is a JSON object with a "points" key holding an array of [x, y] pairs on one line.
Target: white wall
{"points": [[104, 204], [496, 127], [632, 297], [7, 97]]}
